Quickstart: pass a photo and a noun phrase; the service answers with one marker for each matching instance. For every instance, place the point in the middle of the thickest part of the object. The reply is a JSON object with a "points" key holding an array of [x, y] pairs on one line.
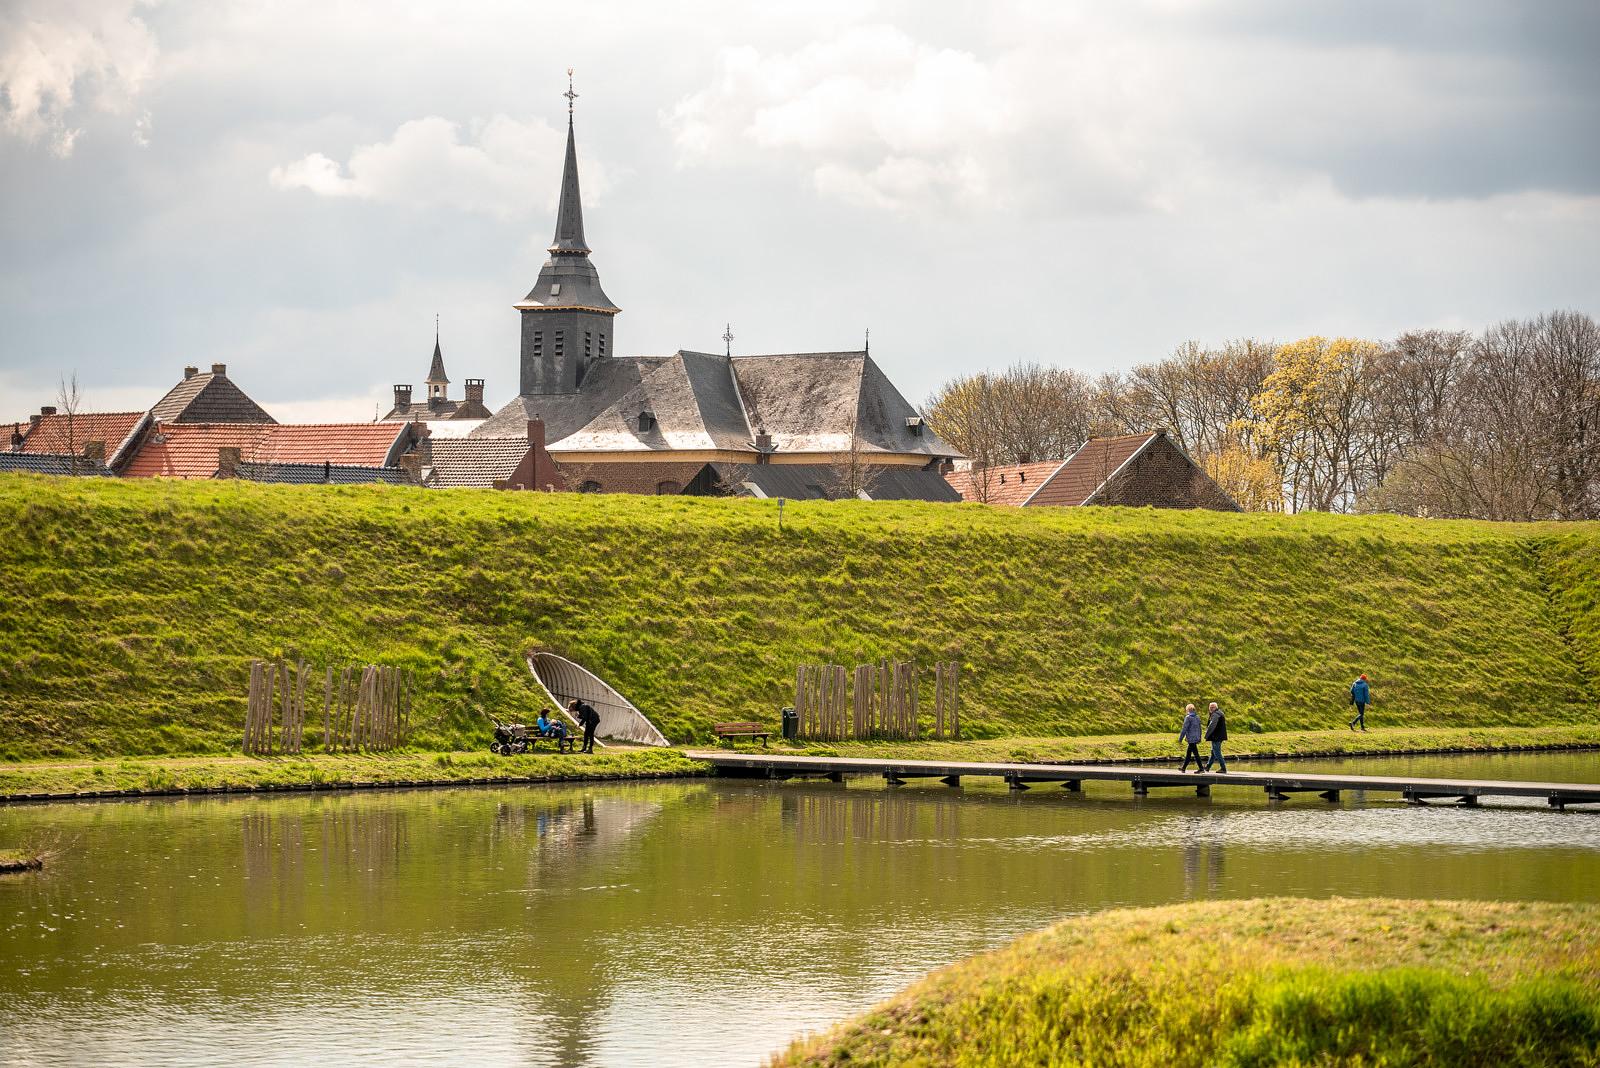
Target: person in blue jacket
{"points": [[1189, 733], [1361, 697]]}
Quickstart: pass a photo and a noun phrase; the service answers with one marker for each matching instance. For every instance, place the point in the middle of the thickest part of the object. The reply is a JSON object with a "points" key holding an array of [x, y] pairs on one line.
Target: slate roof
{"points": [[1088, 469], [1008, 484], [819, 481], [208, 398], [53, 434], [436, 369], [808, 402], [189, 450], [469, 461], [51, 463], [321, 474]]}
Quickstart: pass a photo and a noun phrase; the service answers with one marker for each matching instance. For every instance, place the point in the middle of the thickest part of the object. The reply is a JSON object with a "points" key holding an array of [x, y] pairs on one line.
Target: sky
{"points": [[297, 189]]}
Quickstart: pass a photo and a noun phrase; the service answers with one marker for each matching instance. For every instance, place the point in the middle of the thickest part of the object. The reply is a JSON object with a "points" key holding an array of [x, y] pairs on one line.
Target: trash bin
{"points": [[791, 723]]}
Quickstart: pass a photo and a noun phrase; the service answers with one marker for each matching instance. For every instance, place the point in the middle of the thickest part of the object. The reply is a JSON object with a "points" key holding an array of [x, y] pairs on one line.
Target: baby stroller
{"points": [[510, 737]]}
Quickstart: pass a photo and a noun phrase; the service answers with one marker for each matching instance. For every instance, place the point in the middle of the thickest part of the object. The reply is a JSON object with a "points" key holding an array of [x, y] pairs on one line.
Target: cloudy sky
{"points": [[297, 188]]}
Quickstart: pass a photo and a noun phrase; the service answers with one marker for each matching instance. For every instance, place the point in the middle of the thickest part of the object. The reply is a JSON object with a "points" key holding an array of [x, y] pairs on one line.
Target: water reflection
{"points": [[670, 923]]}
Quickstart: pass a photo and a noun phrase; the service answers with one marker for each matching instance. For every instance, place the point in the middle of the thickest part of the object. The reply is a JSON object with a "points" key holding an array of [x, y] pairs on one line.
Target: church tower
{"points": [[567, 318]]}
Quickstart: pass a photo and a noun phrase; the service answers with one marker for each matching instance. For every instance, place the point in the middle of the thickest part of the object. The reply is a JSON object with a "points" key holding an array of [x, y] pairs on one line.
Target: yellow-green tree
{"points": [[1314, 414]]}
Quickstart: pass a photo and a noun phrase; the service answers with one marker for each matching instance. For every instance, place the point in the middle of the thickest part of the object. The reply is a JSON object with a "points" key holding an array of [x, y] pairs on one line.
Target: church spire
{"points": [[569, 217], [438, 383]]}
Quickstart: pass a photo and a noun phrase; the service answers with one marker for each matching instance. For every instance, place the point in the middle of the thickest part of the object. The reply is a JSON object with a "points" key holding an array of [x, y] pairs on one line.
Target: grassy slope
{"points": [[133, 608], [1260, 982]]}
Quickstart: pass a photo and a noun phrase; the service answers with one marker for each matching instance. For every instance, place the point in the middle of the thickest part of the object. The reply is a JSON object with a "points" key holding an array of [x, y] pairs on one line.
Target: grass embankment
{"points": [[133, 608], [1156, 747], [1271, 982], [319, 769]]}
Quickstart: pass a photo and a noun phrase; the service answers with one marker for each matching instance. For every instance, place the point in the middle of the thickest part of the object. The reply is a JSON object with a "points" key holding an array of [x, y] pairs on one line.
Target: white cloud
{"points": [[53, 51], [884, 119], [428, 164]]}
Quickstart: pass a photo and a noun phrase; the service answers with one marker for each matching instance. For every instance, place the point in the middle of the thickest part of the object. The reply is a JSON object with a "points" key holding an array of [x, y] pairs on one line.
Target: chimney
{"points": [[95, 450], [228, 461], [189, 372], [536, 433], [33, 422], [16, 437], [947, 466], [48, 409], [474, 391], [764, 447], [219, 369], [402, 397], [411, 464]]}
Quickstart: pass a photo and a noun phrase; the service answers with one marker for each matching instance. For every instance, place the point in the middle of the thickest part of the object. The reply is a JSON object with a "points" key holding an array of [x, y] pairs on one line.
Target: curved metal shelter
{"points": [[563, 680]]}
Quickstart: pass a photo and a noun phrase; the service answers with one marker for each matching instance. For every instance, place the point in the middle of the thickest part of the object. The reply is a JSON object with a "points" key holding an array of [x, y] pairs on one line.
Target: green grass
{"points": [[133, 608], [1256, 983], [195, 773], [1240, 745]]}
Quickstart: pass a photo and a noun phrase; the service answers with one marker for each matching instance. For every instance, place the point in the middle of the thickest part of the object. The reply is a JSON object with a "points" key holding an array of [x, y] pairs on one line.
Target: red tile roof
{"points": [[189, 450], [1088, 469], [1011, 484], [54, 434]]}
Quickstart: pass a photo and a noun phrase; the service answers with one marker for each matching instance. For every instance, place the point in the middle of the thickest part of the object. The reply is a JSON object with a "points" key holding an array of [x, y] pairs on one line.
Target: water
{"points": [[695, 922]]}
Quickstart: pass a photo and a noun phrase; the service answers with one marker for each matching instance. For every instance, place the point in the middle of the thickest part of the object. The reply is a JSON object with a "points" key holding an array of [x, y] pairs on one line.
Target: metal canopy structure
{"points": [[620, 721]]}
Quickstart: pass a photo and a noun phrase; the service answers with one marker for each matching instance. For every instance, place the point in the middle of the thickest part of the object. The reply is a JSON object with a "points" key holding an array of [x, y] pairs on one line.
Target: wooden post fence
{"points": [[878, 700], [363, 709]]}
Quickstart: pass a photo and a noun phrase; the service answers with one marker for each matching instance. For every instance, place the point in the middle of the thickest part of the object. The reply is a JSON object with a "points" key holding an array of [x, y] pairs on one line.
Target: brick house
{"points": [[1136, 470]]}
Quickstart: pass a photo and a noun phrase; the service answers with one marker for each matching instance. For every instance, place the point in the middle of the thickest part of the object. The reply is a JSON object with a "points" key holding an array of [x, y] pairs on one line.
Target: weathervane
{"points": [[727, 339], [569, 94]]}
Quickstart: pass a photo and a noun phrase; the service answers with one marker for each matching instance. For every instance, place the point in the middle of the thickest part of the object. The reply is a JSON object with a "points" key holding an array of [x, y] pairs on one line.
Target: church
{"points": [[786, 424]]}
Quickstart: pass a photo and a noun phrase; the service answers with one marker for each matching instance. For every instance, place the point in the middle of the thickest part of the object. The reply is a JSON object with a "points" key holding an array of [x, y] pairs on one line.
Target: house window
{"points": [[590, 486], [667, 488]]}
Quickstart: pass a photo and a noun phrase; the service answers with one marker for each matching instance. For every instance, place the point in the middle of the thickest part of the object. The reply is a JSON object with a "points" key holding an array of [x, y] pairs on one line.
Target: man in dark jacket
{"points": [[588, 719], [1216, 734], [1361, 697]]}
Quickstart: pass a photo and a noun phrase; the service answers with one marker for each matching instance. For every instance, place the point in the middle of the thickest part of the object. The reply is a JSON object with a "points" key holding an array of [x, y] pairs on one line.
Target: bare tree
{"points": [[69, 398]]}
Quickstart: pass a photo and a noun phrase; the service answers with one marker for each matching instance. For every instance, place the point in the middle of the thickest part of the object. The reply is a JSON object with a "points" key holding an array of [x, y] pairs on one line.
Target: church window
{"points": [[561, 342], [555, 289], [538, 342], [588, 344], [602, 344]]}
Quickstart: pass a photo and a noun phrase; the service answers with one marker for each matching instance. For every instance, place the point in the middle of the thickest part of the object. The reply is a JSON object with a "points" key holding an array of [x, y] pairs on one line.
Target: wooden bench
{"points": [[742, 729]]}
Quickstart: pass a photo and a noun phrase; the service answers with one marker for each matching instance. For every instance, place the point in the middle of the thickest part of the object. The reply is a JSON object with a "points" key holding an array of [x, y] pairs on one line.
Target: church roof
{"points": [[809, 402], [208, 398]]}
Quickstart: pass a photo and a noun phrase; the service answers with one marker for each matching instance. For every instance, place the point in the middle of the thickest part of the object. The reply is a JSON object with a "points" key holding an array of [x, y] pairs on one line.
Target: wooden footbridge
{"points": [[1277, 785]]}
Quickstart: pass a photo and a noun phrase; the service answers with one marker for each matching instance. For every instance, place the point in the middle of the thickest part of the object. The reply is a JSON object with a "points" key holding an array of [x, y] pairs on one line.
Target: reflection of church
{"points": [[621, 421]]}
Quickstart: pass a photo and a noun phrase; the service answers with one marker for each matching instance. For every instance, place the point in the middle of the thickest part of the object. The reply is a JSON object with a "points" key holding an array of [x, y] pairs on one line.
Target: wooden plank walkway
{"points": [[1277, 785]]}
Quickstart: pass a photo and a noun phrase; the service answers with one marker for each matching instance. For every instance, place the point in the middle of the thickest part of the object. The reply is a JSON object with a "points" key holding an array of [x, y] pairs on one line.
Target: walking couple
{"points": [[1216, 732]]}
